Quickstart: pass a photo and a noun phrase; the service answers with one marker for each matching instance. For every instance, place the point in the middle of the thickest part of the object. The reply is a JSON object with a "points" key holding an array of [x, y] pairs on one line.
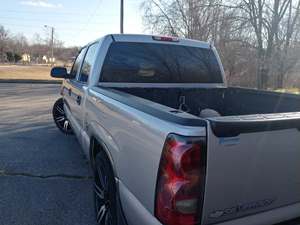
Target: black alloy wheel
{"points": [[104, 191], [60, 118]]}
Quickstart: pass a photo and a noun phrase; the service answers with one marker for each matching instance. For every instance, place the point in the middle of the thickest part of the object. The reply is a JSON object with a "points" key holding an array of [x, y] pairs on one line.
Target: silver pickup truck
{"points": [[171, 144]]}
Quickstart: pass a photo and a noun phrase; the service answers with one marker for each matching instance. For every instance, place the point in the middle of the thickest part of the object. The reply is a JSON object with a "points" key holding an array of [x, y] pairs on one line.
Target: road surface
{"points": [[44, 176]]}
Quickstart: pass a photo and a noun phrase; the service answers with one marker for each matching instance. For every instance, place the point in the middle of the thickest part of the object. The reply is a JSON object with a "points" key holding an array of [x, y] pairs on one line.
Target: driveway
{"points": [[44, 176]]}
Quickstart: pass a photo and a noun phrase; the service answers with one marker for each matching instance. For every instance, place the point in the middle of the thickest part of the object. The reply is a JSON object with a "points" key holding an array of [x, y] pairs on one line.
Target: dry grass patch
{"points": [[25, 72]]}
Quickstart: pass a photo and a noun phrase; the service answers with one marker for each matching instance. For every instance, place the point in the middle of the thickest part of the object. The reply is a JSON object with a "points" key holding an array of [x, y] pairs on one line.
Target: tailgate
{"points": [[253, 165]]}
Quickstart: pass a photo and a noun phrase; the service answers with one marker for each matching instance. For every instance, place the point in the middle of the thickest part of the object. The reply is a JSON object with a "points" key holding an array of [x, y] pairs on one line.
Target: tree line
{"points": [[12, 47], [258, 40]]}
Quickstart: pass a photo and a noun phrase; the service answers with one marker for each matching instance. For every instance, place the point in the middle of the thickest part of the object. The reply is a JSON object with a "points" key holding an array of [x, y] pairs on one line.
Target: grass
{"points": [[25, 72]]}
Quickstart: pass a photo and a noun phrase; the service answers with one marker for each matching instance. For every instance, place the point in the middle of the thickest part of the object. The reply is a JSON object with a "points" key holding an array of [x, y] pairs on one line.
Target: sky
{"points": [[76, 22]]}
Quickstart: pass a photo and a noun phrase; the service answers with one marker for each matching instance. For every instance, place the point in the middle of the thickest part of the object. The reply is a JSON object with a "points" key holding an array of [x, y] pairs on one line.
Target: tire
{"points": [[60, 118], [105, 192]]}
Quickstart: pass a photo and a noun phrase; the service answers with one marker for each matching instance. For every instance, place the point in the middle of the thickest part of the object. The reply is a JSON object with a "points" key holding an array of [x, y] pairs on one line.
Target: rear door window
{"points": [[87, 63], [77, 63]]}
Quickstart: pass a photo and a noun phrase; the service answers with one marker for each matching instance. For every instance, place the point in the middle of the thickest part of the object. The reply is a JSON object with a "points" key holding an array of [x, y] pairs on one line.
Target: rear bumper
{"points": [[134, 211], [277, 216], [137, 214]]}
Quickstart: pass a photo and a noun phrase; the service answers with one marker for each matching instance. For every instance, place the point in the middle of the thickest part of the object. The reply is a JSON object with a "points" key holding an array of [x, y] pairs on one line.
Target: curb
{"points": [[28, 81]]}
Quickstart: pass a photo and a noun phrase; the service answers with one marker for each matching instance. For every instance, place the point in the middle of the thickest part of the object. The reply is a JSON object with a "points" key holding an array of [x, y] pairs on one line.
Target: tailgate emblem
{"points": [[229, 141], [216, 214], [241, 208]]}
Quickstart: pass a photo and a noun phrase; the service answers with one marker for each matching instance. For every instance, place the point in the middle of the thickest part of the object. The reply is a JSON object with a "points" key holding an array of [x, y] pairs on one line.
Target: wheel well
{"points": [[97, 146]]}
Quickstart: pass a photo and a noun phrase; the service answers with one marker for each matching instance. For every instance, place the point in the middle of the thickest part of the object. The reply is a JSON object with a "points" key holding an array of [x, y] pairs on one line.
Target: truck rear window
{"points": [[159, 63]]}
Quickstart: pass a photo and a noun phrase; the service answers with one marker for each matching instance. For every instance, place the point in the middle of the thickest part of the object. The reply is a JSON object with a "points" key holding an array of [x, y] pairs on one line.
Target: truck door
{"points": [[70, 91], [81, 84]]}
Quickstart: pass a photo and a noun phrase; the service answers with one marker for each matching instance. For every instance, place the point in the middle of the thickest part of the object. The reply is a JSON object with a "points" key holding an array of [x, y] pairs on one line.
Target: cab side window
{"points": [[87, 63], [77, 63]]}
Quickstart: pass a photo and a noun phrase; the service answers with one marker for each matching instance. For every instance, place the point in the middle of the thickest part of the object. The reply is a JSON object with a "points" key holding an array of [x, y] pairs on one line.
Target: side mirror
{"points": [[60, 72]]}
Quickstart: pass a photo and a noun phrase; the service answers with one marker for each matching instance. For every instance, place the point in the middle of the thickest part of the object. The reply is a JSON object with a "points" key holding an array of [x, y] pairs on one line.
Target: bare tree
{"points": [[287, 43], [3, 43], [266, 19], [12, 47], [196, 19], [240, 29], [207, 20]]}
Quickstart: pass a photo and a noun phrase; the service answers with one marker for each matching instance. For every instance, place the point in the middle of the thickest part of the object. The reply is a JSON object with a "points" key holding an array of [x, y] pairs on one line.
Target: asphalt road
{"points": [[44, 176]]}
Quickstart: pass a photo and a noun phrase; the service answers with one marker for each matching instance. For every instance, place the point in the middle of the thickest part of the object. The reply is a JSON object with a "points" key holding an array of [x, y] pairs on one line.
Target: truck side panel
{"points": [[135, 141]]}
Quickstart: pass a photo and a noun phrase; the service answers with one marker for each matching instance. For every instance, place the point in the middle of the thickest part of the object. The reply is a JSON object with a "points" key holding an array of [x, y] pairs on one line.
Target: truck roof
{"points": [[154, 39]]}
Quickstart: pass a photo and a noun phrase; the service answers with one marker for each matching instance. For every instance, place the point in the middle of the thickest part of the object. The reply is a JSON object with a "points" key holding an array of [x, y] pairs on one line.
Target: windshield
{"points": [[159, 63]]}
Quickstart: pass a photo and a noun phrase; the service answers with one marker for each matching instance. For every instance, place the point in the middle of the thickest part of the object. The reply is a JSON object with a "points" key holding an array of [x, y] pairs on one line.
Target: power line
{"points": [[56, 12], [31, 27], [47, 21], [89, 19], [64, 26]]}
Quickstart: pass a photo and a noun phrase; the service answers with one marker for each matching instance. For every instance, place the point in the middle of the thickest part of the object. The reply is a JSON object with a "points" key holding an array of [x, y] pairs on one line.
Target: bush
{"points": [[13, 57]]}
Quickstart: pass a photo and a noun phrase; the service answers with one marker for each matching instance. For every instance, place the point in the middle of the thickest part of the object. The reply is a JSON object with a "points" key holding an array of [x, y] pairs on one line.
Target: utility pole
{"points": [[122, 17], [51, 43]]}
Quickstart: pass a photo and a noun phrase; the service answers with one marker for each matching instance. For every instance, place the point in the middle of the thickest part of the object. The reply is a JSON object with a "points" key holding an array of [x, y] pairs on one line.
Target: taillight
{"points": [[181, 178], [165, 38]]}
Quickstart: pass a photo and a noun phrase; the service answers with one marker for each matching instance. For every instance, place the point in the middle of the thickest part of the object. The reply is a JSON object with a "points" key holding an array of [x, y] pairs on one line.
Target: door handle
{"points": [[70, 91], [78, 100], [96, 100]]}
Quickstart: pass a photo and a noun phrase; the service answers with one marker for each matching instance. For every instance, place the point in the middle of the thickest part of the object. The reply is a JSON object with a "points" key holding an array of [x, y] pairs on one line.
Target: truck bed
{"points": [[227, 101], [249, 148]]}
